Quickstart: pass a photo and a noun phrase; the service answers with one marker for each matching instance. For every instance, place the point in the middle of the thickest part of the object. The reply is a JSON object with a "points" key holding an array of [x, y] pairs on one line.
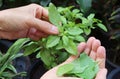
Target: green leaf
{"points": [[45, 2], [76, 11], [87, 31], [64, 69], [12, 68], [65, 40], [75, 31], [91, 16], [102, 27], [17, 46], [64, 21], [30, 49], [80, 38], [38, 55], [85, 5], [62, 56], [45, 54], [54, 15], [60, 45], [71, 48], [16, 56], [1, 3], [1, 54], [83, 67], [116, 11], [52, 41], [12, 51]]}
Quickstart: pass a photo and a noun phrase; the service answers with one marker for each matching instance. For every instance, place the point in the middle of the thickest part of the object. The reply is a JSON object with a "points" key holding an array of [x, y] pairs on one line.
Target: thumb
{"points": [[102, 74], [43, 26]]}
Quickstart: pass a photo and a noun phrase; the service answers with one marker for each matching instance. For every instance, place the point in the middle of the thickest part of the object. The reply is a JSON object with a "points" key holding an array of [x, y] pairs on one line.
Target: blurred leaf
{"points": [[91, 16], [62, 56], [64, 21], [87, 31], [85, 5], [65, 40], [115, 17], [1, 3], [103, 27], [45, 2], [116, 11], [12, 68]]}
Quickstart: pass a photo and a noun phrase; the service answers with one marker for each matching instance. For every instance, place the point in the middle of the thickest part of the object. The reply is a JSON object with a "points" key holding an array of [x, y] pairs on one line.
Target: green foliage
{"points": [[45, 2], [7, 70], [85, 5], [1, 3], [73, 27], [83, 67]]}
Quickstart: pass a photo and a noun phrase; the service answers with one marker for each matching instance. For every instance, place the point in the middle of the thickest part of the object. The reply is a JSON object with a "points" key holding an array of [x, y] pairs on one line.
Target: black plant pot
{"points": [[37, 70], [115, 74], [4, 45], [110, 66], [20, 63]]}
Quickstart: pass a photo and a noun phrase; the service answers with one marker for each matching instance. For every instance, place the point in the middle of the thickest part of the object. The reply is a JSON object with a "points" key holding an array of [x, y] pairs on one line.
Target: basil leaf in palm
{"points": [[83, 67]]}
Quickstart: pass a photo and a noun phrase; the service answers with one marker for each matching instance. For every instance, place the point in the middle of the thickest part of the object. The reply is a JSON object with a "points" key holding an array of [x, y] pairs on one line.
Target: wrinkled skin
{"points": [[27, 21]]}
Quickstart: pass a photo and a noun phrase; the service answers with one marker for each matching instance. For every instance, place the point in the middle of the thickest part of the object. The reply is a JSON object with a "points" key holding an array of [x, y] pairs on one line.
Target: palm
{"points": [[94, 49]]}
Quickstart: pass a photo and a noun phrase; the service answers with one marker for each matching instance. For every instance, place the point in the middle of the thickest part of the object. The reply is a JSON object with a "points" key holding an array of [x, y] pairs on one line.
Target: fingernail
{"points": [[54, 29]]}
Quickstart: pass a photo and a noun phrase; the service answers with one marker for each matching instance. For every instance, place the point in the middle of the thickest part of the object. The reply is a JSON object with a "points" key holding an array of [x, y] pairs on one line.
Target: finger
{"points": [[89, 45], [101, 74], [43, 26], [38, 11], [42, 13], [36, 32], [95, 45], [41, 34], [81, 47], [33, 37], [101, 56]]}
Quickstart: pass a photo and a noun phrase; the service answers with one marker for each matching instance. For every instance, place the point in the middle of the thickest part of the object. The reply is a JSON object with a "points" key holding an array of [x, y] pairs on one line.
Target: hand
{"points": [[94, 49], [27, 21]]}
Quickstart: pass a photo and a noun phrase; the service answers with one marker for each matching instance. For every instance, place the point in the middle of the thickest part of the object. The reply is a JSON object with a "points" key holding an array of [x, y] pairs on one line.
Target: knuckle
{"points": [[34, 5]]}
